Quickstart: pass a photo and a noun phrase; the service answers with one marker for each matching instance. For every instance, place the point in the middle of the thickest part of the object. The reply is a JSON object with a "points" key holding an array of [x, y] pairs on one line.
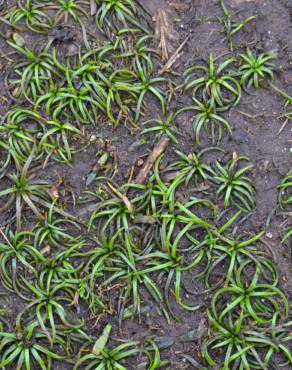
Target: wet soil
{"points": [[256, 125]]}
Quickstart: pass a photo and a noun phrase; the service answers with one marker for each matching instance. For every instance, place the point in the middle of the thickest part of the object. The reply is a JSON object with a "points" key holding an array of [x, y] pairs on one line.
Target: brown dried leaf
{"points": [[93, 7], [54, 192], [163, 32], [75, 301], [123, 197], [46, 250]]}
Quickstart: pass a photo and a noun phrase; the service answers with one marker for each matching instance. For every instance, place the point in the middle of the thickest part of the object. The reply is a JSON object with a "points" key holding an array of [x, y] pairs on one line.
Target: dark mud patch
{"points": [[256, 126]]}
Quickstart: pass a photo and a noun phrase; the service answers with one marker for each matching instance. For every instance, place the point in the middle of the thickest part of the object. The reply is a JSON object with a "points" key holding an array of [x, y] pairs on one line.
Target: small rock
{"points": [[92, 138], [140, 162]]}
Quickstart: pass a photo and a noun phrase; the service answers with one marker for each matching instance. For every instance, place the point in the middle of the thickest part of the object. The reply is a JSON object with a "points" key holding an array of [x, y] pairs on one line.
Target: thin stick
{"points": [[5, 237], [177, 54], [283, 126], [251, 115]]}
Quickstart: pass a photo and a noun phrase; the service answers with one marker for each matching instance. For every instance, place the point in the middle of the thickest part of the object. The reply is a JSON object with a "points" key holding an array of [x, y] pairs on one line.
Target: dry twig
{"points": [[176, 55], [156, 152], [163, 32]]}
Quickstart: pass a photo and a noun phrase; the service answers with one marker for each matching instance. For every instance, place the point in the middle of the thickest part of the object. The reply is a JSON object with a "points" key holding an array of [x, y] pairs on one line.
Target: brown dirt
{"points": [[256, 137]]}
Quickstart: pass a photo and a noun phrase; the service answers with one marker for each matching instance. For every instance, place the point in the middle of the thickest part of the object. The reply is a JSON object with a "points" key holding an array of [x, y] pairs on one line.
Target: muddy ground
{"points": [[256, 126]]}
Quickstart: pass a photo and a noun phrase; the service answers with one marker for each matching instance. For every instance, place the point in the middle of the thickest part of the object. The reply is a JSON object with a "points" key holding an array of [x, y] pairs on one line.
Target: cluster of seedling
{"points": [[231, 26], [216, 87], [143, 241], [108, 82], [285, 201], [285, 187], [110, 15]]}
